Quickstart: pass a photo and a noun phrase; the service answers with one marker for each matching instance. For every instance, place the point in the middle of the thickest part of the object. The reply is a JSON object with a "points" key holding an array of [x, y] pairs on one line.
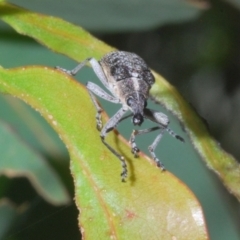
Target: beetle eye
{"points": [[129, 101]]}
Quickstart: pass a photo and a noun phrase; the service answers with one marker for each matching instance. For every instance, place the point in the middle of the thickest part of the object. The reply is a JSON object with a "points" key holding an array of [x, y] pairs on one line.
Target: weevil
{"points": [[128, 80]]}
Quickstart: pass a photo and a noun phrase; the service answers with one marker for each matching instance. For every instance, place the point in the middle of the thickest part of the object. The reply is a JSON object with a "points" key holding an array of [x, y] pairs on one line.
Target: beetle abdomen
{"points": [[124, 65]]}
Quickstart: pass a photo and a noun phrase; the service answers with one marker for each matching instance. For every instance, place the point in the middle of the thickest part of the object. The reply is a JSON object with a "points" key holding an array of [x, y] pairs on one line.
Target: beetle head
{"points": [[136, 103]]}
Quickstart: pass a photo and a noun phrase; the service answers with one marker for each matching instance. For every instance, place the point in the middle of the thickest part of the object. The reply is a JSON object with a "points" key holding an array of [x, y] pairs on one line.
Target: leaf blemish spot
{"points": [[54, 123], [130, 214], [112, 237], [50, 116]]}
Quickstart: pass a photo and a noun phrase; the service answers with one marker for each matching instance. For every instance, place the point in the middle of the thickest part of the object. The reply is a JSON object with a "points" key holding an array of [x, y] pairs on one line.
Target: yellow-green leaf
{"points": [[150, 205], [55, 33]]}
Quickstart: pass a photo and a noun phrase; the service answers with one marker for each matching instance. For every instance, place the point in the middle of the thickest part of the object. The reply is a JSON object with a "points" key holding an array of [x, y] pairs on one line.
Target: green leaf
{"points": [[150, 205], [125, 15], [32, 129], [17, 159], [55, 33], [222, 163]]}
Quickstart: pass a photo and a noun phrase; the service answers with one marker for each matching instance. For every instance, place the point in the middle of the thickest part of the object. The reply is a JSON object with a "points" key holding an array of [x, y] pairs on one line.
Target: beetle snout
{"points": [[137, 119]]}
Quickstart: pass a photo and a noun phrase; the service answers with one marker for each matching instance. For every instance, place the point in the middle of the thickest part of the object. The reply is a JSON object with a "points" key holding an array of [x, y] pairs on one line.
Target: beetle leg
{"points": [[162, 120], [95, 89], [74, 71], [96, 68], [109, 126], [152, 148], [135, 132]]}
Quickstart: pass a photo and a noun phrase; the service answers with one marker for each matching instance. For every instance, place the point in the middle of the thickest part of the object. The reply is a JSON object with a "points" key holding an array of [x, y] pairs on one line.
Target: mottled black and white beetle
{"points": [[127, 77]]}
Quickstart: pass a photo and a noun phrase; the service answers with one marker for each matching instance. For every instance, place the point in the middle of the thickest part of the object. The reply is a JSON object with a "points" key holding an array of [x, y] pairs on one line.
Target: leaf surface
{"points": [[19, 160], [151, 204], [125, 15]]}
